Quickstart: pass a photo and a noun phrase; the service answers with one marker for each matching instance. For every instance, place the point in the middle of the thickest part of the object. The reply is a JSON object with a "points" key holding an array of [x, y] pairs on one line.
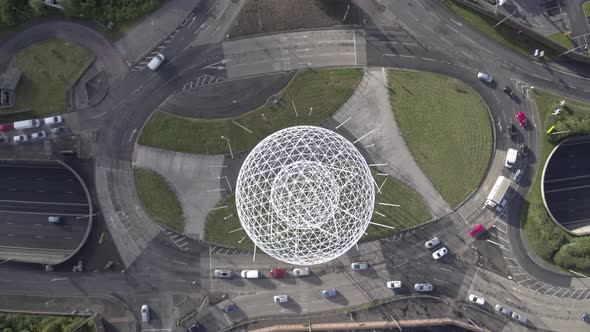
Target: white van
{"points": [[27, 124], [511, 158], [156, 61], [250, 274]]}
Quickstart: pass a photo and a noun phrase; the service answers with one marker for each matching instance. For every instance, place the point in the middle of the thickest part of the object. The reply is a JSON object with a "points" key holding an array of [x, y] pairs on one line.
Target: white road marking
{"points": [[448, 42], [354, 43], [179, 262], [429, 59], [459, 24], [541, 77]]}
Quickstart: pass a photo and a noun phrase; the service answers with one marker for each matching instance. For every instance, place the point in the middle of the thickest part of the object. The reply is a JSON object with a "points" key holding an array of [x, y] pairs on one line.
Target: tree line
{"points": [[13, 12]]}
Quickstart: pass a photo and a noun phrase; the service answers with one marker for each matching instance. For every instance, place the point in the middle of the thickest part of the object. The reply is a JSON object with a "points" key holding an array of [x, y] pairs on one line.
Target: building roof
{"points": [[9, 79]]}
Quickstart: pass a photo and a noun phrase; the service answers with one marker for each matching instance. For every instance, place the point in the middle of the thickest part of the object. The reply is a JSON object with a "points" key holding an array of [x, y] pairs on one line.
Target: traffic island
{"points": [[447, 128]]}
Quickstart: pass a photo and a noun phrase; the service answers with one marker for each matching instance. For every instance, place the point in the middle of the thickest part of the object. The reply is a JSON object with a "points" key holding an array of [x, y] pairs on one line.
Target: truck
{"points": [[498, 192], [511, 158], [27, 124]]}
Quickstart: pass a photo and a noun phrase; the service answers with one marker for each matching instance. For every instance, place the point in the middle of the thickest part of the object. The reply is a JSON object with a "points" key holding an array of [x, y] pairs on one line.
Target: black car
{"points": [[4, 140], [523, 150], [512, 130], [508, 91], [194, 328]]}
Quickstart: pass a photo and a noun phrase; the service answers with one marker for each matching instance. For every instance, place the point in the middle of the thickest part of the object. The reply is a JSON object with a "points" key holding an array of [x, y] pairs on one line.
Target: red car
{"points": [[277, 273], [477, 230], [521, 119], [6, 127]]}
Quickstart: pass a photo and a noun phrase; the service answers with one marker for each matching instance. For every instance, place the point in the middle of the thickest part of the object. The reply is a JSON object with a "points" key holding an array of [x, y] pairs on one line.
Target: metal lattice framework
{"points": [[305, 195]]}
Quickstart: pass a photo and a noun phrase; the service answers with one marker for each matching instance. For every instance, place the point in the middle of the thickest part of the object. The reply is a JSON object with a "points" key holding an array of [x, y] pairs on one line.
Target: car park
{"points": [[4, 140], [432, 243], [523, 150], [277, 273], [508, 90], [423, 287], [38, 135], [20, 138], [520, 318], [156, 61], [281, 298], [521, 119], [475, 299], [518, 175], [440, 253], [485, 77], [53, 120], [477, 231], [301, 271], [145, 313], [512, 130], [6, 127], [394, 284], [250, 274], [501, 309], [222, 274], [330, 292], [359, 266]]}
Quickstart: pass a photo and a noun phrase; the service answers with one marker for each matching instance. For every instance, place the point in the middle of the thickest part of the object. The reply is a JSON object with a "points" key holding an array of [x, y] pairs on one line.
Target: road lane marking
{"points": [[459, 24], [445, 282], [37, 202], [541, 77], [179, 262], [448, 42], [58, 279], [354, 43], [429, 59]]}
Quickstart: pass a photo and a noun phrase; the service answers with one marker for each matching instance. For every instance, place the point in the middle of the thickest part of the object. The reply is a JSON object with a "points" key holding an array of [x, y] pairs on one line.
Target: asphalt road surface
{"points": [[29, 194]]}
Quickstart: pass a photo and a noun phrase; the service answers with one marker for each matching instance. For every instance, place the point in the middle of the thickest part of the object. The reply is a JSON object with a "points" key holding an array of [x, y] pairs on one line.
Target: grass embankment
{"points": [[49, 68], [586, 8], [563, 39], [447, 128], [412, 212], [325, 90], [547, 239], [504, 34], [14, 322], [158, 198]]}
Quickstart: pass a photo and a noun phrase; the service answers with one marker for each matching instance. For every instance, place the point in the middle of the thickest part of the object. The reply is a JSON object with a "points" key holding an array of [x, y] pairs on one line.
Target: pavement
{"points": [[195, 178], [369, 111]]}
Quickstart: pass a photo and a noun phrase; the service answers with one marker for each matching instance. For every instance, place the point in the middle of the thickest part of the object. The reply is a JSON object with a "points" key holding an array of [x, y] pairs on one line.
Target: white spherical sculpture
{"points": [[305, 195]]}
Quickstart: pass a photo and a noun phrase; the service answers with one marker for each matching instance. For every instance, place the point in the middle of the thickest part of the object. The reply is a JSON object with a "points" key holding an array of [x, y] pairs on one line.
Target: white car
{"points": [[423, 287], [145, 313], [394, 284], [222, 274], [38, 135], [359, 266], [485, 77], [20, 138], [522, 319], [250, 274], [440, 253], [156, 61], [475, 299], [281, 298], [53, 120], [301, 271], [432, 243]]}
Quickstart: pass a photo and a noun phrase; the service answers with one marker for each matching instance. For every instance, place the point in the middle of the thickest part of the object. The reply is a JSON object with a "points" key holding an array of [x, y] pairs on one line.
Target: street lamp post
{"points": [[229, 146], [504, 19]]}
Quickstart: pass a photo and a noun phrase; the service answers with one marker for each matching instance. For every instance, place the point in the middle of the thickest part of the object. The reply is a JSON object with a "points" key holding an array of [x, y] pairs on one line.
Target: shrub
{"points": [[548, 236], [575, 255]]}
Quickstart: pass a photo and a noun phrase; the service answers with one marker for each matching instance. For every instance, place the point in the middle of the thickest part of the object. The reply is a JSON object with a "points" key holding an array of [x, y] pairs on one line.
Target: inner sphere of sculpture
{"points": [[305, 195]]}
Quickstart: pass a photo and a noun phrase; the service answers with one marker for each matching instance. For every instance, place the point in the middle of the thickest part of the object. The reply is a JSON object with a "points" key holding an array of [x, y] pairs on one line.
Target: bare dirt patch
{"points": [[265, 16]]}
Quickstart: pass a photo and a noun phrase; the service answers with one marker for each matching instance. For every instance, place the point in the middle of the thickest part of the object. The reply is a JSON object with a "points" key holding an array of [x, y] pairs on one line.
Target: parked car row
{"points": [[280, 273], [29, 124]]}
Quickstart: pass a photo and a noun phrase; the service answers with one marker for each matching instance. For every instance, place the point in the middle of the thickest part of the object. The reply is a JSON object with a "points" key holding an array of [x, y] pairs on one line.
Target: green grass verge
{"points": [[49, 68], [17, 322], [447, 128], [504, 34], [563, 39], [325, 90], [586, 7], [548, 240], [412, 212], [158, 198]]}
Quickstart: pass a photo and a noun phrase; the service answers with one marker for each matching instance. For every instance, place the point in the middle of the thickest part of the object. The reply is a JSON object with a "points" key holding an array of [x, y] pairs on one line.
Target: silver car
{"points": [[222, 274], [500, 308], [432, 243], [423, 287], [359, 266]]}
